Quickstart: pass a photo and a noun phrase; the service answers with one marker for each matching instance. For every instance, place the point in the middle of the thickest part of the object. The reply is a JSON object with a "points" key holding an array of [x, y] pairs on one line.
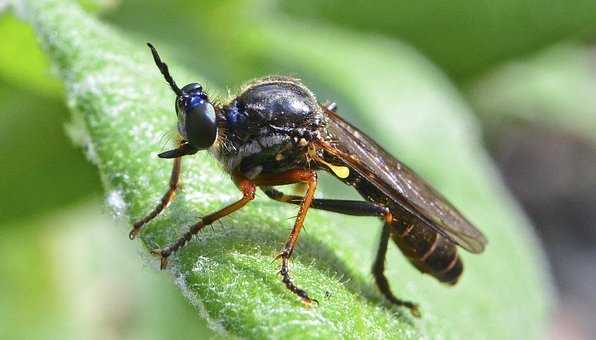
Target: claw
{"points": [[308, 301], [134, 232], [415, 311], [136, 229], [163, 255], [281, 255], [163, 263]]}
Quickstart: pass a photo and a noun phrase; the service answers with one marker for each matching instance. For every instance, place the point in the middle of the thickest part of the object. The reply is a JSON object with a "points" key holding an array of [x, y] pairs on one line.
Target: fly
{"points": [[275, 133]]}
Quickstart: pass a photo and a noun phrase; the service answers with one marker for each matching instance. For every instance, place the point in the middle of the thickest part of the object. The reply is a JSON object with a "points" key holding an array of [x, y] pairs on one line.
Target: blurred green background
{"points": [[527, 68]]}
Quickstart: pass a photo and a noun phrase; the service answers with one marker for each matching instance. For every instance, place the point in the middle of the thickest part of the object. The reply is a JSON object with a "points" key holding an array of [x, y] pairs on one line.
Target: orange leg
{"points": [[293, 176], [248, 194], [163, 203]]}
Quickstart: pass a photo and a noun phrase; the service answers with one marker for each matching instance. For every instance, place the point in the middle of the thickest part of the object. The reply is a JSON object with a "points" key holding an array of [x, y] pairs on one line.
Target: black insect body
{"points": [[275, 133], [268, 128]]}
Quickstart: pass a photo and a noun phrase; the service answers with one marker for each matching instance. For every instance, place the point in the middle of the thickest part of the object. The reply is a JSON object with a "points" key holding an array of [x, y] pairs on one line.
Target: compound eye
{"points": [[197, 121]]}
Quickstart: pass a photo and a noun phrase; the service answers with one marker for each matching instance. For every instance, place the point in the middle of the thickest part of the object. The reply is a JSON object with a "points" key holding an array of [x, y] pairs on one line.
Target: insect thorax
{"points": [[268, 127]]}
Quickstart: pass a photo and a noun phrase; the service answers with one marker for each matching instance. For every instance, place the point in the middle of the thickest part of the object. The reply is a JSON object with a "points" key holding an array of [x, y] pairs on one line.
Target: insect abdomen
{"points": [[427, 250]]}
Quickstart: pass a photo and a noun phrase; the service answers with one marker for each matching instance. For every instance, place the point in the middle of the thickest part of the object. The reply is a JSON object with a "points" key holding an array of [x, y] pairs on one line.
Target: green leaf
{"points": [[124, 107]]}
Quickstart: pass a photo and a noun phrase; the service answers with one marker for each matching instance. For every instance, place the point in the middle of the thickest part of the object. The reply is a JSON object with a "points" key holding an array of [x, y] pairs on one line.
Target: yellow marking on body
{"points": [[339, 170]]}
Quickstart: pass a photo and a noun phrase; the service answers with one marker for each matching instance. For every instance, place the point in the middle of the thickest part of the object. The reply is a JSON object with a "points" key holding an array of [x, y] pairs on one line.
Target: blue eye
{"points": [[196, 119]]}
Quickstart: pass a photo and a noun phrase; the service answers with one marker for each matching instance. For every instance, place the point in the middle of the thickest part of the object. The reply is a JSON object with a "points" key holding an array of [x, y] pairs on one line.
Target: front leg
{"points": [[248, 194], [183, 149], [294, 176], [163, 203]]}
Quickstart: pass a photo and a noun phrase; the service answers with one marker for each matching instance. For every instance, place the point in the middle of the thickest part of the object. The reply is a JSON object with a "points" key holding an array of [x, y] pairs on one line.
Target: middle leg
{"points": [[294, 176], [346, 207], [357, 208]]}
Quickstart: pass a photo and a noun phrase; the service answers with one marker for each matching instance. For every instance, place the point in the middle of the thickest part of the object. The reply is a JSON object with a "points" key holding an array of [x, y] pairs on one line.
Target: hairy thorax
{"points": [[268, 128]]}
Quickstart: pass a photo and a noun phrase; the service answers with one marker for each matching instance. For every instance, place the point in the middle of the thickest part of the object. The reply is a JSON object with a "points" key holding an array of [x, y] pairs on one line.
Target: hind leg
{"points": [[378, 271]]}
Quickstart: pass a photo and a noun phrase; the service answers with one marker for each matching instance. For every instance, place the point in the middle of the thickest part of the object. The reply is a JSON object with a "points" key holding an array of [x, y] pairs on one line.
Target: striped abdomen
{"points": [[426, 249]]}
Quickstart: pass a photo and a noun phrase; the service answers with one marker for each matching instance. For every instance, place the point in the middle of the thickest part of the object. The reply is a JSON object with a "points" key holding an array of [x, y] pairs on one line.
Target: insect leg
{"points": [[163, 203], [356, 208], [294, 176], [248, 194], [346, 207], [378, 271]]}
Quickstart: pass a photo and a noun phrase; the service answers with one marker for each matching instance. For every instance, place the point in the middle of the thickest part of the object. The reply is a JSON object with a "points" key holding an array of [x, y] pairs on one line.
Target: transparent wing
{"points": [[399, 183]]}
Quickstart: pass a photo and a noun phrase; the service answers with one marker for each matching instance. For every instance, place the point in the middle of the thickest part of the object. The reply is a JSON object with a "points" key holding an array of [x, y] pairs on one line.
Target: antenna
{"points": [[163, 68]]}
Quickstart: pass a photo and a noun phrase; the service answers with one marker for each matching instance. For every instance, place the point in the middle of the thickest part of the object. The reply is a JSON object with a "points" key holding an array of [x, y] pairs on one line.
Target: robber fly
{"points": [[276, 133]]}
